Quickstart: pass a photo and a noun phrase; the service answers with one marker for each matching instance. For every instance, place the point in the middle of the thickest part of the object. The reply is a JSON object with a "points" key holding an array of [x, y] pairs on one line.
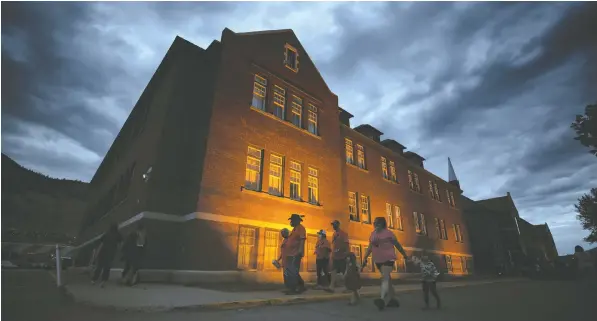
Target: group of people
{"points": [[336, 260], [132, 249]]}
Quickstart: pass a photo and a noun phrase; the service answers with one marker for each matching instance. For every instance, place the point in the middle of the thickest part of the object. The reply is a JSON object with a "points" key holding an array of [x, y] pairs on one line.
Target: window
{"points": [[440, 225], [398, 217], [390, 215], [457, 233], [420, 227], [431, 193], [356, 250], [246, 248], [361, 156], [452, 199], [297, 111], [279, 101], [448, 198], [291, 58], [312, 118], [352, 206], [436, 192], [259, 92], [253, 172], [313, 186], [365, 212], [463, 264], [271, 248], [349, 151], [276, 168], [384, 168], [295, 181], [448, 259], [393, 177], [413, 181], [310, 253]]}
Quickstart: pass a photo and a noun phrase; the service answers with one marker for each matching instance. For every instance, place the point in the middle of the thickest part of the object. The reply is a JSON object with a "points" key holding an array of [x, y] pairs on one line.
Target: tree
{"points": [[585, 127], [587, 214]]}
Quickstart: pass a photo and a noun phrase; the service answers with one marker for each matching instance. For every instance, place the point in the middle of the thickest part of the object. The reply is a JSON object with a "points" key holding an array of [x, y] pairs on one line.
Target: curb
{"points": [[241, 305]]}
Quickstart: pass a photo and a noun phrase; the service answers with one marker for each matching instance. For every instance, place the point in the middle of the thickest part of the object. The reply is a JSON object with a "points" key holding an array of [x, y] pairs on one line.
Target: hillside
{"points": [[37, 208]]}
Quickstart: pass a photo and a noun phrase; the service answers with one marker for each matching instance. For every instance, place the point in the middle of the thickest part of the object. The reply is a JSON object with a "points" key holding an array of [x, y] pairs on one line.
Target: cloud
{"points": [[494, 86]]}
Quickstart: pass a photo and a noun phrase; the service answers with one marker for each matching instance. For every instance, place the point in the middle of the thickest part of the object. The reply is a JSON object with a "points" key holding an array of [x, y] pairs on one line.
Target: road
{"points": [[31, 295]]}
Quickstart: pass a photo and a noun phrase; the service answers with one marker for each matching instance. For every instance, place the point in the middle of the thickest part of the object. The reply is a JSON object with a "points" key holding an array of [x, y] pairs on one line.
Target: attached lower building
{"points": [[226, 142]]}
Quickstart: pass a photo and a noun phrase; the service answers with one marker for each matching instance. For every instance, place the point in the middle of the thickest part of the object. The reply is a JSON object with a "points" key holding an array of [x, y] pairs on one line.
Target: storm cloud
{"points": [[494, 86]]}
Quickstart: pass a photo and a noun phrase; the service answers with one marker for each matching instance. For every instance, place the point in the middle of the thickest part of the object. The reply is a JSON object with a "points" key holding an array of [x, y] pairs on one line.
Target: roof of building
{"points": [[368, 128], [413, 154]]}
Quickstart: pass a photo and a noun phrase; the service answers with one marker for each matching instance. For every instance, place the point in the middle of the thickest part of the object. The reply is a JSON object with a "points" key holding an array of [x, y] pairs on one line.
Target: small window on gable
{"points": [[291, 58]]}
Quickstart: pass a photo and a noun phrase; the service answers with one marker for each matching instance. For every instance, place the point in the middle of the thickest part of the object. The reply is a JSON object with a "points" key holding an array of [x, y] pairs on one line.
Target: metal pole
{"points": [[58, 267]]}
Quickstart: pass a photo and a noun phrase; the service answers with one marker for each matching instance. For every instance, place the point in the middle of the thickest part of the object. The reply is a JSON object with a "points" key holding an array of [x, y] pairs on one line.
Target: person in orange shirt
{"points": [[322, 255], [339, 254], [295, 250]]}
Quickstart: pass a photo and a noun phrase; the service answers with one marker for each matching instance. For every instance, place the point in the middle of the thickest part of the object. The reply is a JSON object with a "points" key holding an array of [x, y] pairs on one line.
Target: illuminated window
{"points": [[398, 217], [393, 177], [297, 111], [452, 199], [457, 232], [448, 198], [291, 58], [271, 248], [436, 192], [312, 127], [349, 151], [313, 186], [356, 250], [365, 211], [352, 206], [259, 92], [463, 264], [420, 226], [279, 102], [448, 259], [440, 225], [276, 168], [295, 181], [413, 181], [384, 168], [253, 170], [361, 156], [246, 248], [431, 193], [390, 215]]}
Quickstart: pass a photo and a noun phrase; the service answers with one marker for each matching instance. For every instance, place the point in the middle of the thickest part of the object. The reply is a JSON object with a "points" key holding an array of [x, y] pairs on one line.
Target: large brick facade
{"points": [[199, 121]]}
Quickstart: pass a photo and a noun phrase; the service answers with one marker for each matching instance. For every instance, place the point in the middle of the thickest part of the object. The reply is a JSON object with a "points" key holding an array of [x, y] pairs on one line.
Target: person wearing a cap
{"points": [[295, 250], [382, 243], [322, 255], [340, 251]]}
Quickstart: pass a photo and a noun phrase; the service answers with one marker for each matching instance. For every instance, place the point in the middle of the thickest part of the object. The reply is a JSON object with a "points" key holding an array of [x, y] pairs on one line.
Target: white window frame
{"points": [[353, 210], [384, 168], [276, 175], [312, 120], [313, 186], [297, 111], [361, 161], [393, 176], [259, 91], [349, 151], [279, 101], [390, 215], [295, 179], [365, 209], [398, 218], [254, 158], [292, 65]]}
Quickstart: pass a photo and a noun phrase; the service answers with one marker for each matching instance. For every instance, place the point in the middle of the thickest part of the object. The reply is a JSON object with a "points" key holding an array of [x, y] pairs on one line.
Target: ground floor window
{"points": [[247, 238]]}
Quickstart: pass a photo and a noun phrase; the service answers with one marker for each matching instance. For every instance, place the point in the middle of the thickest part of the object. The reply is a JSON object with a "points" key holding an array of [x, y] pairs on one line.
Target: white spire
{"points": [[451, 173]]}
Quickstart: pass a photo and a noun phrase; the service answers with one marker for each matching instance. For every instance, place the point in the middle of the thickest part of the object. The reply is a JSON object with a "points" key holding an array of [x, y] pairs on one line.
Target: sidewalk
{"points": [[165, 297]]}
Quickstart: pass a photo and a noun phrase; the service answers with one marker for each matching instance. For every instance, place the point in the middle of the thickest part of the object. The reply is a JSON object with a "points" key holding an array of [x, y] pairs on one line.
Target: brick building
{"points": [[226, 142]]}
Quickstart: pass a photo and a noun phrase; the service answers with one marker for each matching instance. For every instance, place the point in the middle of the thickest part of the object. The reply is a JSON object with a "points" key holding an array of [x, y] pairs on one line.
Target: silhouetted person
{"points": [[295, 250], [322, 260], [133, 250], [105, 253]]}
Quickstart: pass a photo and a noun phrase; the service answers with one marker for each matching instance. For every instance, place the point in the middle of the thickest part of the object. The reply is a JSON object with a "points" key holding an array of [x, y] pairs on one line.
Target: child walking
{"points": [[429, 278], [352, 278]]}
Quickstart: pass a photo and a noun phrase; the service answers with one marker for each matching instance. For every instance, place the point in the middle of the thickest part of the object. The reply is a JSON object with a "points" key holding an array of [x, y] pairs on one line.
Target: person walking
{"points": [[294, 253], [429, 278], [382, 243], [584, 262], [280, 262], [109, 243], [353, 278], [340, 252], [322, 260], [134, 250]]}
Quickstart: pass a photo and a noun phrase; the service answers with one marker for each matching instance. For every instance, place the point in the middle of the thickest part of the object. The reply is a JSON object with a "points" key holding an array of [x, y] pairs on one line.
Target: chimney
{"points": [[394, 146], [415, 158], [369, 131]]}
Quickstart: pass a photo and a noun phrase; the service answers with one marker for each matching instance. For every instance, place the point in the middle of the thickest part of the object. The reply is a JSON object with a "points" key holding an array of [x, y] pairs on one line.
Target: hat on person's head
{"points": [[335, 222], [321, 232], [296, 217]]}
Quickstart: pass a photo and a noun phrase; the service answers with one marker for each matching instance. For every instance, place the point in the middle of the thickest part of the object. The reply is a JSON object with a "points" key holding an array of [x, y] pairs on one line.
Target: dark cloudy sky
{"points": [[494, 86]]}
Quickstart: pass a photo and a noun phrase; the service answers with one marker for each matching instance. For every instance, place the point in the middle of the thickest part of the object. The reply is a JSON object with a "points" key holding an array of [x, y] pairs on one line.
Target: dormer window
{"points": [[291, 58]]}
